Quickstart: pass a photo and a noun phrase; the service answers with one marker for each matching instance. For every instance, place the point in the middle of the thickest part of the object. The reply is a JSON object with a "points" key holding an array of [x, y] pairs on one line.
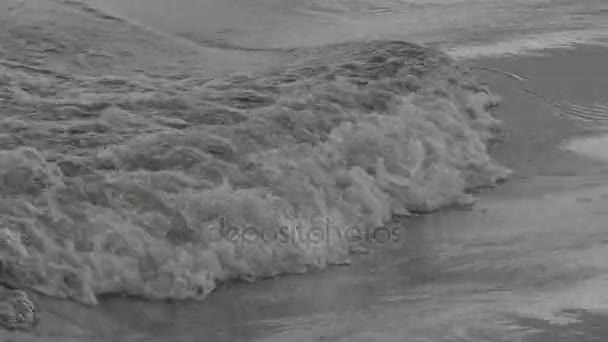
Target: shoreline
{"points": [[527, 141], [535, 152]]}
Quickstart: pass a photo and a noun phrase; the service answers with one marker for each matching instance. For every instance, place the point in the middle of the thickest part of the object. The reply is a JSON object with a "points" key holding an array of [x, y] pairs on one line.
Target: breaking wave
{"points": [[116, 183]]}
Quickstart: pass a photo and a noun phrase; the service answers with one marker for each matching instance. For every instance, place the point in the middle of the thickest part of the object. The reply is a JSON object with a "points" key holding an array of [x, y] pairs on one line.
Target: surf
{"points": [[114, 184]]}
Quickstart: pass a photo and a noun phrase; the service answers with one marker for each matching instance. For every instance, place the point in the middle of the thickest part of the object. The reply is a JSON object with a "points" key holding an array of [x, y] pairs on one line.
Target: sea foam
{"points": [[162, 186]]}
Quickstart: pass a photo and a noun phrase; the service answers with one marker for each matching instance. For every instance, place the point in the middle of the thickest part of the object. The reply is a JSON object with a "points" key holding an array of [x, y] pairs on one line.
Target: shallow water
{"points": [[448, 24]]}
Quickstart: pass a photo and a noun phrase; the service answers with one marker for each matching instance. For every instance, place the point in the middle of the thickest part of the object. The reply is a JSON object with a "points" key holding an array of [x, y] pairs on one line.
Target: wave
{"points": [[162, 187]]}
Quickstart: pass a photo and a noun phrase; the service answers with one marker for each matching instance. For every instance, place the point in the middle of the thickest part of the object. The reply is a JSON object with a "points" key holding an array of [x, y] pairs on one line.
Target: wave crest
{"points": [[132, 184]]}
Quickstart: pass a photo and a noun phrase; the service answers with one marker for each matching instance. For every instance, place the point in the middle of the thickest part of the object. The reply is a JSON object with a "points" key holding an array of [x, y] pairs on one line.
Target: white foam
{"points": [[595, 147], [116, 198], [530, 45]]}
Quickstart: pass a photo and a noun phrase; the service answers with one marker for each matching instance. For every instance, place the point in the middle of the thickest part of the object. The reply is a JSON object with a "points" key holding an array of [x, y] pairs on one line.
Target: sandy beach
{"points": [[508, 268]]}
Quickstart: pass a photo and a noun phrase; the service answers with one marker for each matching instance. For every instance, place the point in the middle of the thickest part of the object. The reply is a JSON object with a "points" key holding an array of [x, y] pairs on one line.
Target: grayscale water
{"points": [[527, 263], [129, 128], [448, 23]]}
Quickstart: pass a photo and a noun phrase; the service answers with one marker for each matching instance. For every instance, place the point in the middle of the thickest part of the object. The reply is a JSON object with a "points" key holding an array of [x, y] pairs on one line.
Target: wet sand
{"points": [[529, 247]]}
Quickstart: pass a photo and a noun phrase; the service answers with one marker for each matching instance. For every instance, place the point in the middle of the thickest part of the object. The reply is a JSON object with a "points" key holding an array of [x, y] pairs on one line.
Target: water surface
{"points": [[117, 136], [296, 23]]}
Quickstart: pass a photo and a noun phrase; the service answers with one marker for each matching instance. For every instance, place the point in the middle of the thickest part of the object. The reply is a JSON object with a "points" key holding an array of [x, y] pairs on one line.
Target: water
{"points": [[594, 147], [133, 170], [448, 24], [158, 150]]}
